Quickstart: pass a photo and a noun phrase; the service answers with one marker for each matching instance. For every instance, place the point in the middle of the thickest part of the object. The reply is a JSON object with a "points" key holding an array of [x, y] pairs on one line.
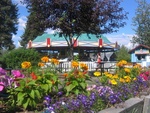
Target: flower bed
{"points": [[42, 89]]}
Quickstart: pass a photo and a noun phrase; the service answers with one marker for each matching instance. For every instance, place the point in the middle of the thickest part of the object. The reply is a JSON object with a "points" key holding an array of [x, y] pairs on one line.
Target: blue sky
{"points": [[123, 36]]}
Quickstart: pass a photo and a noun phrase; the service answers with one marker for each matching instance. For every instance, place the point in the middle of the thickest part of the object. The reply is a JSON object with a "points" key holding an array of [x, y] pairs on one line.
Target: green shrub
{"points": [[14, 58]]}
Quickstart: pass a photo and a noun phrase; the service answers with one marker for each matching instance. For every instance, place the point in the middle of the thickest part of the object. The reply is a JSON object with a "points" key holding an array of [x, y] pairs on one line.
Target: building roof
{"points": [[55, 41], [82, 37], [140, 45]]}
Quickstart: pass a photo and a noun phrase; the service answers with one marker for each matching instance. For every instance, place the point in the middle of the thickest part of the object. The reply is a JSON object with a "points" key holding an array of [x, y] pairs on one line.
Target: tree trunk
{"points": [[70, 53]]}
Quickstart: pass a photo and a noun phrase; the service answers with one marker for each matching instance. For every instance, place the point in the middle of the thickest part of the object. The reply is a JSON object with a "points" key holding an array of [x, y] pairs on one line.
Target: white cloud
{"points": [[16, 40], [22, 23], [122, 39], [51, 31]]}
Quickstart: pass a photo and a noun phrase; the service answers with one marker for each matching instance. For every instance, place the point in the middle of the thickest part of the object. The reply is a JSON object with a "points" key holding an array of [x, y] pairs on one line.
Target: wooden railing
{"points": [[92, 66]]}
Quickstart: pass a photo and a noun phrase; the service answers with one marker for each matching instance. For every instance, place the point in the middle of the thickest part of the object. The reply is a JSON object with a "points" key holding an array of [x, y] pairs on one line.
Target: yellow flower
{"points": [[84, 66], [115, 76], [121, 63], [54, 61], [137, 66], [127, 78], [45, 59], [122, 80], [134, 79], [97, 73], [127, 70], [25, 64], [40, 64], [113, 82], [106, 72], [109, 75], [74, 64]]}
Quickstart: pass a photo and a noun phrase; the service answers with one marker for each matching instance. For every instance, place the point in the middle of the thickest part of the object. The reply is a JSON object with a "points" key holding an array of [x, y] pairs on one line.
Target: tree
{"points": [[8, 23], [35, 26], [74, 17], [122, 54], [142, 23]]}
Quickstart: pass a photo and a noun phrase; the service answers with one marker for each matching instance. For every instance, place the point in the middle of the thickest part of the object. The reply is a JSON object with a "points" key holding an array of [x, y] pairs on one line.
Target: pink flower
{"points": [[17, 74], [147, 73], [1, 86], [144, 76]]}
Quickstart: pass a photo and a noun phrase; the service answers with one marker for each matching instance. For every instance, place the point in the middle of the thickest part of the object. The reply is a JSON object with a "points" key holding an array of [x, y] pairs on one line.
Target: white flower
{"points": [[63, 103]]}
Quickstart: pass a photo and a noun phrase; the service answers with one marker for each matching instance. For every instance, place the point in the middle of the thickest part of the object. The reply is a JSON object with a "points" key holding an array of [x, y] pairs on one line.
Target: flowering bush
{"points": [[76, 80], [124, 73], [145, 75], [41, 87], [100, 97], [28, 86]]}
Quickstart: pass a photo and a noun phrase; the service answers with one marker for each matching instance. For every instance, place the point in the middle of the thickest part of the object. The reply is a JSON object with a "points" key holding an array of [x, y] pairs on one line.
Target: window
{"points": [[141, 57]]}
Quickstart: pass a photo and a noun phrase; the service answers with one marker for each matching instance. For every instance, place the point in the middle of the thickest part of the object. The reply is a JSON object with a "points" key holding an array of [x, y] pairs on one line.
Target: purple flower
{"points": [[47, 98], [93, 96], [17, 74], [2, 71], [60, 93], [5, 80]]}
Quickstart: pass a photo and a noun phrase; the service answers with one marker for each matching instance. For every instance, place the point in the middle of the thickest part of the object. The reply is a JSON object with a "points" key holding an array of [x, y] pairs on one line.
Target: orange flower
{"points": [[83, 66], [65, 74], [85, 72], [40, 64], [53, 82], [68, 83], [76, 72], [25, 65], [54, 61], [34, 77], [45, 59], [81, 75], [74, 64]]}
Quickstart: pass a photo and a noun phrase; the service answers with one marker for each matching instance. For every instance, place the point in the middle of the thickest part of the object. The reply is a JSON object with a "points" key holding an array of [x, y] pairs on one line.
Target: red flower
{"points": [[34, 77]]}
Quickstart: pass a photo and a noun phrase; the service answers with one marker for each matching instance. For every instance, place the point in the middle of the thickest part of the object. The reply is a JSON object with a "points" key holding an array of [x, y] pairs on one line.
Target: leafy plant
{"points": [[76, 79], [15, 57], [28, 90], [28, 94]]}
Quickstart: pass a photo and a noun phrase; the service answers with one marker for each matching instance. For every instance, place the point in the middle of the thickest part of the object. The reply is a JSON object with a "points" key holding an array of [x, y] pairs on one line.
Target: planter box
{"points": [[133, 105]]}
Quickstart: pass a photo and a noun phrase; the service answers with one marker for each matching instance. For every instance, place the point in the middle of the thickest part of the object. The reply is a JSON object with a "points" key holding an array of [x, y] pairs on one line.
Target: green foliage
{"points": [[122, 54], [27, 92], [27, 95], [14, 58], [141, 21], [76, 82], [48, 80], [34, 25], [8, 23], [76, 58], [99, 104], [76, 17]]}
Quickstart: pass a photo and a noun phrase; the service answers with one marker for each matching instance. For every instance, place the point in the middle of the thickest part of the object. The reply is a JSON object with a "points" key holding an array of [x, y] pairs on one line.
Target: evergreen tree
{"points": [[74, 17], [122, 54], [142, 23], [8, 23], [35, 26]]}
